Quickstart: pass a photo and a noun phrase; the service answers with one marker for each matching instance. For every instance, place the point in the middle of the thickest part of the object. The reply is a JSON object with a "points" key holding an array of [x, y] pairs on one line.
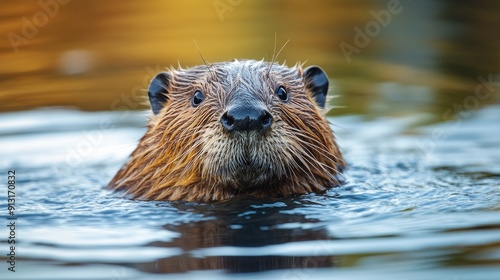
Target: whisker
{"points": [[275, 57], [202, 58], [319, 150]]}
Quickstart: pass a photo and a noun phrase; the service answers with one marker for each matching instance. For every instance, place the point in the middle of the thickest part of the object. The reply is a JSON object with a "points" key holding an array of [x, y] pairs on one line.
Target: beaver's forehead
{"points": [[251, 73], [247, 68], [239, 67]]}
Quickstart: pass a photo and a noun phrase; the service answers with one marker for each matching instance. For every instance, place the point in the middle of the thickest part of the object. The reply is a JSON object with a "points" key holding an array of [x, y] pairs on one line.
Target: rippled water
{"points": [[420, 202]]}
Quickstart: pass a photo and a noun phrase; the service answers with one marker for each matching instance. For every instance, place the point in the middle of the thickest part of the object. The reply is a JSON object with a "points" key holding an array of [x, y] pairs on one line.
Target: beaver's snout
{"points": [[246, 118]]}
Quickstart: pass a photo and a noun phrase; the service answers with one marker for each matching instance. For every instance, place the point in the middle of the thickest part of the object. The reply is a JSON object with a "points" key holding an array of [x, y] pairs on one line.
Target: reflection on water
{"points": [[232, 227], [99, 55]]}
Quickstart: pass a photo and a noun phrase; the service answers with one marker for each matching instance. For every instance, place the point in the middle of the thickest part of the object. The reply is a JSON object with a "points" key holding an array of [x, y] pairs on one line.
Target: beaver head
{"points": [[234, 128]]}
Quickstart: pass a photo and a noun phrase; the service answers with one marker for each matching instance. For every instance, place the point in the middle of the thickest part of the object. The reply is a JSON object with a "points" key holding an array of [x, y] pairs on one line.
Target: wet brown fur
{"points": [[186, 155]]}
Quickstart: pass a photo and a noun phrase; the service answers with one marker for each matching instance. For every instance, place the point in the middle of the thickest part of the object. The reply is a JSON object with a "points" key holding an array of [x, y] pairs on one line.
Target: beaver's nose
{"points": [[246, 118]]}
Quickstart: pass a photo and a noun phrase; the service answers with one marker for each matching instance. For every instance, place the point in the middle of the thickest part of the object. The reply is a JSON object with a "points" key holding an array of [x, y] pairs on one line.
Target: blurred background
{"points": [[386, 57]]}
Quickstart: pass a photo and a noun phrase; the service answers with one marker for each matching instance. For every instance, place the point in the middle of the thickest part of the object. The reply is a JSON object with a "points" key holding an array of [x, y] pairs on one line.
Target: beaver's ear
{"points": [[317, 82], [157, 91]]}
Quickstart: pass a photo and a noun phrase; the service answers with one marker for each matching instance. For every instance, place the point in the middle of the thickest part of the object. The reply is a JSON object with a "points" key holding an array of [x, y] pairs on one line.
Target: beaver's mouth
{"points": [[245, 160]]}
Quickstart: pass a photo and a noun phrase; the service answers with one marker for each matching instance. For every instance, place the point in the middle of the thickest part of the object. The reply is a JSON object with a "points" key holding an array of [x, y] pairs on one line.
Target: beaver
{"points": [[230, 129]]}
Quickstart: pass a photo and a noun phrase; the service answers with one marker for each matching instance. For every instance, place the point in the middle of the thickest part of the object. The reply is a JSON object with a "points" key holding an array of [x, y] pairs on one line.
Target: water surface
{"points": [[405, 211]]}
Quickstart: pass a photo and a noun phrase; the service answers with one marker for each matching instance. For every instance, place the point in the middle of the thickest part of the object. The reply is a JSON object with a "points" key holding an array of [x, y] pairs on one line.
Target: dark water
{"points": [[414, 207]]}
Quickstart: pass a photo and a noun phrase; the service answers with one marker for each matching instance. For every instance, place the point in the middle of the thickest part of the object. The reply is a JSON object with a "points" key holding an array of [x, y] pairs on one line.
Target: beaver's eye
{"points": [[197, 98], [282, 94]]}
